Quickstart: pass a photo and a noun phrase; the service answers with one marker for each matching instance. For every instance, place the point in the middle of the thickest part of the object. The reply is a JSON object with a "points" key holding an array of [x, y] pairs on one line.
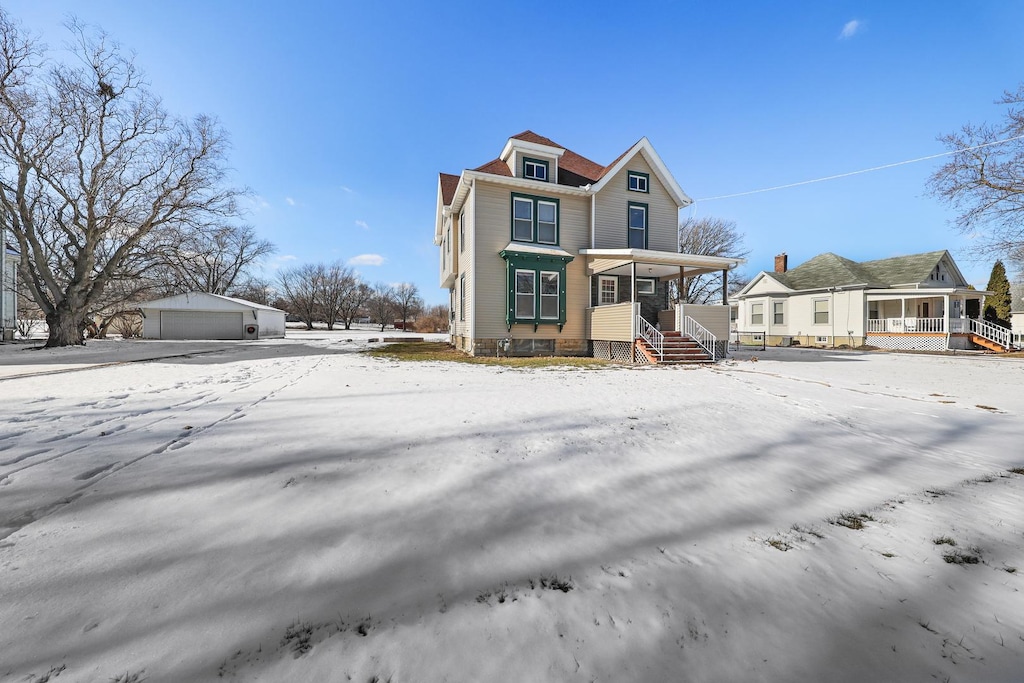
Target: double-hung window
{"points": [[526, 288], [821, 311], [639, 182], [535, 169], [778, 316], [637, 233], [534, 219], [462, 231], [757, 314], [549, 295], [462, 297]]}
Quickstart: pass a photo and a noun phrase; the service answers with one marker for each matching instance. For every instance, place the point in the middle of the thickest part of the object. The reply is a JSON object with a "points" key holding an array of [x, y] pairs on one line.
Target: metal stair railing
{"points": [[700, 334], [651, 335]]}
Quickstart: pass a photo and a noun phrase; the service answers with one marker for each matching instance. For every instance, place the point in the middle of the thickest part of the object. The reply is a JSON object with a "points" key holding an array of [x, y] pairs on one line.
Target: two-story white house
{"points": [[544, 251]]}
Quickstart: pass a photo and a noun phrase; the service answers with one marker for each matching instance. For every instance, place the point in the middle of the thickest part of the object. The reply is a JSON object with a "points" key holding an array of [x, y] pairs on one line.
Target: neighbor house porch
{"points": [[934, 321]]}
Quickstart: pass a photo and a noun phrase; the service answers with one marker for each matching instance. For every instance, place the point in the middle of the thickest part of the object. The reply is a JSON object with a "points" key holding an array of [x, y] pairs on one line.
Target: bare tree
{"points": [[255, 289], [334, 288], [407, 301], [382, 304], [354, 301], [94, 172], [212, 259], [299, 289], [984, 181], [708, 236]]}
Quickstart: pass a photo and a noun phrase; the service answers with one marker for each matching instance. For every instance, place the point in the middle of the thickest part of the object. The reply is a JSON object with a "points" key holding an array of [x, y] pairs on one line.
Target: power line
{"points": [[866, 170]]}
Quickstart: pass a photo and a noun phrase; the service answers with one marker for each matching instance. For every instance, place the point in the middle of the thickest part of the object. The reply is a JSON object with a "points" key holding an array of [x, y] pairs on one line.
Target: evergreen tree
{"points": [[997, 306]]}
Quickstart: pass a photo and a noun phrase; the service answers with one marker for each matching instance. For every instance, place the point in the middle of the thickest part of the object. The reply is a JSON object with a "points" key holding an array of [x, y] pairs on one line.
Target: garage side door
{"points": [[200, 325]]}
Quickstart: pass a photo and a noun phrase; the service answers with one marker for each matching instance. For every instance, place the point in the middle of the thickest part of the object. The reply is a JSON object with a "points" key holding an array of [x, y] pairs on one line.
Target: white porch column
{"points": [[945, 317], [632, 301]]}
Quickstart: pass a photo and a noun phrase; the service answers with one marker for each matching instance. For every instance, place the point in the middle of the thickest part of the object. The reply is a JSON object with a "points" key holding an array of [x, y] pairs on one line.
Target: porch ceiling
{"points": [[659, 264]]}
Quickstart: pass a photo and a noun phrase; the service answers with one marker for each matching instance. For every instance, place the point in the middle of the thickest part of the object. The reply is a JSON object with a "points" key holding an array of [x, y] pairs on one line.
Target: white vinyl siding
{"points": [[611, 205]]}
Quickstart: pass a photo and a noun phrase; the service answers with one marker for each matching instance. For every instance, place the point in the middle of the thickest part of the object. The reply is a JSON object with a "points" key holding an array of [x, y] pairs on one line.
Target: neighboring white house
{"points": [[8, 289], [916, 302], [198, 315], [1017, 325]]}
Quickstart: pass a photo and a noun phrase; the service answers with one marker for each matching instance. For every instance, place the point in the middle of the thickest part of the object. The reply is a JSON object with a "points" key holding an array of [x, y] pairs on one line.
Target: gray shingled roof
{"points": [[830, 270]]}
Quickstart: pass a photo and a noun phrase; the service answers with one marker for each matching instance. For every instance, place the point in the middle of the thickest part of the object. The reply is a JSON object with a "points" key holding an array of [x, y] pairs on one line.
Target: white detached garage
{"points": [[198, 315]]}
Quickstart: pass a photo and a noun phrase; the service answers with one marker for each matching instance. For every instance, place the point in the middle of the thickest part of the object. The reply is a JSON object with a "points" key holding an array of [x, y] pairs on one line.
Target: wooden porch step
{"points": [[987, 343], [676, 350]]}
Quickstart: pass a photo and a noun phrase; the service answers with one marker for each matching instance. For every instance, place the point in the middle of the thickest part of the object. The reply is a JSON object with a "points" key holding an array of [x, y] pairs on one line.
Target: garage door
{"points": [[200, 325]]}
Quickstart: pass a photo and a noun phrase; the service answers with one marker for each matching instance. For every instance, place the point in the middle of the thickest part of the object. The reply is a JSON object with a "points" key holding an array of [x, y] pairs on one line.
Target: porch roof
{"points": [[927, 293], [650, 263]]}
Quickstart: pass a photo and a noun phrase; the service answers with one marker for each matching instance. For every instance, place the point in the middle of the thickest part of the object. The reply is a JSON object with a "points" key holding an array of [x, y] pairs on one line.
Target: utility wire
{"points": [[866, 170]]}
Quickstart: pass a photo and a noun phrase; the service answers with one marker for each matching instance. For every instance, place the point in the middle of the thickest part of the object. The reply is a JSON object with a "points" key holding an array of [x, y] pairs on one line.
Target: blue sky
{"points": [[342, 114]]}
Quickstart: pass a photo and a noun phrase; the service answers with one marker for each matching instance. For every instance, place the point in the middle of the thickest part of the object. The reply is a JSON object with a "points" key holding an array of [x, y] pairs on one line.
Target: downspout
{"points": [[593, 218], [632, 303]]}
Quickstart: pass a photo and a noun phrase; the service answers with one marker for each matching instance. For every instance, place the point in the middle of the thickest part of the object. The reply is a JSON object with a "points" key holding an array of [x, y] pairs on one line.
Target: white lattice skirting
{"points": [[620, 351], [906, 342]]}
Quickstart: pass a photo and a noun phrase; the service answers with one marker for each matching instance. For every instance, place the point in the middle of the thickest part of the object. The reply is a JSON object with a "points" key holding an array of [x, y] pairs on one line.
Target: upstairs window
{"points": [[535, 169], [637, 237], [522, 219], [462, 232], [639, 182], [534, 219]]}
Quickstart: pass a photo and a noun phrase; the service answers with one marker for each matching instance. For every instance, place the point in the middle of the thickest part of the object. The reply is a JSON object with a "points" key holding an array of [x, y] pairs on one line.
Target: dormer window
{"points": [[535, 169], [639, 182]]}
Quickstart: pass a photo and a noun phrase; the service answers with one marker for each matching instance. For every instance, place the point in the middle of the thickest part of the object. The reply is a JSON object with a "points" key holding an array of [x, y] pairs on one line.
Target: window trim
{"points": [[757, 310], [533, 295], [653, 283], [557, 295], [647, 223], [815, 311], [535, 201], [778, 313], [601, 279], [517, 262], [537, 163], [638, 175]]}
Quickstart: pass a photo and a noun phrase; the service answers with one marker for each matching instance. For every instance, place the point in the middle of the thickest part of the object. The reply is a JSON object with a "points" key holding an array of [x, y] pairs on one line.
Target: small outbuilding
{"points": [[198, 315]]}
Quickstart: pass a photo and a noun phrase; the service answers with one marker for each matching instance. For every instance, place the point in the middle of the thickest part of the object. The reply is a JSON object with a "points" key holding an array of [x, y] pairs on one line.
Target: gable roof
{"points": [[191, 299], [449, 183], [831, 270]]}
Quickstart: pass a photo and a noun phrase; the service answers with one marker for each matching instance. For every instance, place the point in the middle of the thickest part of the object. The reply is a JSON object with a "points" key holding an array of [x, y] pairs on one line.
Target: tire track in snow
{"points": [[98, 474]]}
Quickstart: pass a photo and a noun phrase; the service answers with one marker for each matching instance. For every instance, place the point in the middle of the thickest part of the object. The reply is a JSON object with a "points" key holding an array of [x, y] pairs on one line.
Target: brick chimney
{"points": [[781, 263]]}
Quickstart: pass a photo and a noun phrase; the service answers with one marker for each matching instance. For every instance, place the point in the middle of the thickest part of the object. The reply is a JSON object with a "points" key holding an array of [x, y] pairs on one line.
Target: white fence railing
{"points": [[907, 325], [996, 333], [652, 335], [700, 334]]}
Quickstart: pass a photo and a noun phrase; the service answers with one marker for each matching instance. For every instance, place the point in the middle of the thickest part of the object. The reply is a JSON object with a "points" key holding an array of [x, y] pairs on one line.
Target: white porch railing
{"points": [[908, 325], [996, 333], [700, 334], [652, 335]]}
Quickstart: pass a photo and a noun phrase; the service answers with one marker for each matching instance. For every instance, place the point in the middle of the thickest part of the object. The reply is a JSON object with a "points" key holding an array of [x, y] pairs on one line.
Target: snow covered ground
{"points": [[293, 510]]}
